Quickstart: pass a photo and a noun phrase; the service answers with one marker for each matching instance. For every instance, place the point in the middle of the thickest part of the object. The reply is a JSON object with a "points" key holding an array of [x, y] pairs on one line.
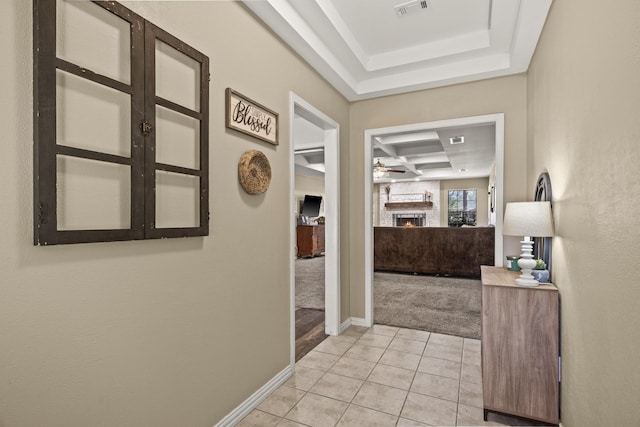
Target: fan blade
{"points": [[395, 171]]}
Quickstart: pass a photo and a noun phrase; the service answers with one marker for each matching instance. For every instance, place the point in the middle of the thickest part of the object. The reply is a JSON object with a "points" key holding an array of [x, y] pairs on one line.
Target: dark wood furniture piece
{"points": [[520, 347], [310, 240], [433, 250]]}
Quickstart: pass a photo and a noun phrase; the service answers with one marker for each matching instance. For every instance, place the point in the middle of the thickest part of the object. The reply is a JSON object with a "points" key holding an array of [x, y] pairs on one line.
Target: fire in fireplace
{"points": [[410, 220]]}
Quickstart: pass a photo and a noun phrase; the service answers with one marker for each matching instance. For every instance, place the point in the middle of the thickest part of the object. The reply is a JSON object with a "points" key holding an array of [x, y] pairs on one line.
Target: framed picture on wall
{"points": [[247, 116]]}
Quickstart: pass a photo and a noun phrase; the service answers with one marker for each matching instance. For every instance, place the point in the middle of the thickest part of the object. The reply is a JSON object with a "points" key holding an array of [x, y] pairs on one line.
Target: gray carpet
{"points": [[310, 283], [436, 304]]}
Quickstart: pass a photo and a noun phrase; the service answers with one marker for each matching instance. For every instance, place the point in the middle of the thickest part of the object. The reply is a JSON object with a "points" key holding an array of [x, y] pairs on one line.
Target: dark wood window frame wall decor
{"points": [[142, 160]]}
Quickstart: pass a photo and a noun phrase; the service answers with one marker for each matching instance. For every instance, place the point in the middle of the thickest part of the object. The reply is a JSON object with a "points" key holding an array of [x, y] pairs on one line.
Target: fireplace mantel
{"points": [[408, 205]]}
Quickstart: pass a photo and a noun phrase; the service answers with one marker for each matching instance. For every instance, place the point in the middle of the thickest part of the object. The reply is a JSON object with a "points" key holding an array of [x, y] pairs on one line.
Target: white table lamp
{"points": [[528, 219]]}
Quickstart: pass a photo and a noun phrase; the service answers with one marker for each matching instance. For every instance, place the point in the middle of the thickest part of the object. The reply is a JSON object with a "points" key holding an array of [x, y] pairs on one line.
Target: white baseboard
{"points": [[256, 398], [344, 325], [355, 321], [359, 321]]}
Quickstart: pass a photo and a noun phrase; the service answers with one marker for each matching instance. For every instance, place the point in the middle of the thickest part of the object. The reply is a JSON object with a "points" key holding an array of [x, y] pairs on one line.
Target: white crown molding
{"points": [[282, 18], [343, 29], [506, 48]]}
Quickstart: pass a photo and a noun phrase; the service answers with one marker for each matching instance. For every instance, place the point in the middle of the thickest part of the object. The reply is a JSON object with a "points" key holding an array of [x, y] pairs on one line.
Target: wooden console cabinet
{"points": [[520, 347], [310, 240]]}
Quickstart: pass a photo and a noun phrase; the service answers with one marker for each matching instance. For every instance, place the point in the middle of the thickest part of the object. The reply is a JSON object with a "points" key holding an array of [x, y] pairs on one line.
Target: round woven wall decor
{"points": [[254, 172]]}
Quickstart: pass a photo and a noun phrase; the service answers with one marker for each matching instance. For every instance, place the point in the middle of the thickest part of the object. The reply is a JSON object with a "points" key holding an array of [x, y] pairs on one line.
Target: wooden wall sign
{"points": [[251, 118]]}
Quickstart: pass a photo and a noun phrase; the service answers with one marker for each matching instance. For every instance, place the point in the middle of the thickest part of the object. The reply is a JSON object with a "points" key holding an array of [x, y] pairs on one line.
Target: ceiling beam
{"points": [[392, 153], [419, 150]]}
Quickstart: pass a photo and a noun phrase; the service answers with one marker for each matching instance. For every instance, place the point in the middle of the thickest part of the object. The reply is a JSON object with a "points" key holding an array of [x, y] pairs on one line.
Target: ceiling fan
{"points": [[379, 169]]}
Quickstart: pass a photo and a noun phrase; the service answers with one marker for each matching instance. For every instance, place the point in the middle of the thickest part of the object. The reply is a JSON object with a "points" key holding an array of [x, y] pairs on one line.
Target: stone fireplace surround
{"points": [[408, 191]]}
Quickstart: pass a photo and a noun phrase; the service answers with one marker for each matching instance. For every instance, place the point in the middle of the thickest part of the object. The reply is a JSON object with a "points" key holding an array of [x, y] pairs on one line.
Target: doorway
{"points": [[330, 132], [373, 135]]}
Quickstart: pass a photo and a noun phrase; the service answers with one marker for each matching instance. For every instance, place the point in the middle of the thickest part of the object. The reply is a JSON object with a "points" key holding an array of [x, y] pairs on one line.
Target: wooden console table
{"points": [[520, 347], [310, 240]]}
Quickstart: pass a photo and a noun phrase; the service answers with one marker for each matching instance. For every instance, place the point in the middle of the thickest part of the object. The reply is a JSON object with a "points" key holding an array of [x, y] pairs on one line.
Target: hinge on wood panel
{"points": [[43, 214], [146, 128], [209, 216], [559, 369]]}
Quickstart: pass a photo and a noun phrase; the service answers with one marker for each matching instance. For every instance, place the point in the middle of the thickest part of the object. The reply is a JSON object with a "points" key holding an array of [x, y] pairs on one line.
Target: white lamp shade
{"points": [[528, 219]]}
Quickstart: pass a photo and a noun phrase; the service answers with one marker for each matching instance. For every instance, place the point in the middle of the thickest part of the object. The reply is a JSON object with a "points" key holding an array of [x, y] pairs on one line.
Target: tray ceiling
{"points": [[371, 48]]}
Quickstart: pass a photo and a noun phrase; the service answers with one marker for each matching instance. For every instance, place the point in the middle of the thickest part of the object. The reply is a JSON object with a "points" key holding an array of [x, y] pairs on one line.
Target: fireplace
{"points": [[409, 220]]}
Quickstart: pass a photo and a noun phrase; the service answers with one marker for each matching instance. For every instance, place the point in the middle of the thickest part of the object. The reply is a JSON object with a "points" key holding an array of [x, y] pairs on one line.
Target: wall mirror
{"points": [[542, 245]]}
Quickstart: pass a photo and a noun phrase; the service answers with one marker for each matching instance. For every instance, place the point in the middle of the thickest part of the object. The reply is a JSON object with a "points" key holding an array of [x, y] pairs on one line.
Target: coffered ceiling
{"points": [[370, 48], [435, 154]]}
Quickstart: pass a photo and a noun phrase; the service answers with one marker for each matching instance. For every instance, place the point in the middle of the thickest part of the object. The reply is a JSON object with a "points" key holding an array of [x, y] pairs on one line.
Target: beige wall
{"points": [[166, 332], [501, 95], [480, 184], [583, 105]]}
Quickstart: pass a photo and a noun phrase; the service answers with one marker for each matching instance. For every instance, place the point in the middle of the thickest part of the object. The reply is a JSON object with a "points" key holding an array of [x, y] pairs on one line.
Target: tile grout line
{"points": [[355, 394], [306, 392], [361, 385], [309, 391], [459, 385], [376, 364], [414, 377]]}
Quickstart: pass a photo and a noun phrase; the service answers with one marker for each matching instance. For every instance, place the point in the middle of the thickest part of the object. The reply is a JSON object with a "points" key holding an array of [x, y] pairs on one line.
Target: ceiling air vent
{"points": [[411, 7], [456, 140]]}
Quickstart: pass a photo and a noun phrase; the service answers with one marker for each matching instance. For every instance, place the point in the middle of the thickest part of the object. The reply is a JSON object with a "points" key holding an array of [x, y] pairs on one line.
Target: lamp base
{"points": [[526, 264], [527, 282]]}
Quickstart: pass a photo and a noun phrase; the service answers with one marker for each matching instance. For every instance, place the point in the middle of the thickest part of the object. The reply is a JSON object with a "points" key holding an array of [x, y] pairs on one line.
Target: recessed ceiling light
{"points": [[456, 140], [462, 170], [416, 179], [393, 180]]}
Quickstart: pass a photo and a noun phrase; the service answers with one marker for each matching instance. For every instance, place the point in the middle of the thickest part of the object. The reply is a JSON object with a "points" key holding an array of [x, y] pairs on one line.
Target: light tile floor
{"points": [[382, 376]]}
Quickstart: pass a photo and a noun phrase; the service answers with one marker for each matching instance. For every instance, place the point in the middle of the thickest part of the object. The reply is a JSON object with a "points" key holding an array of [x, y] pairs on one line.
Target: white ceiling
{"points": [[365, 49]]}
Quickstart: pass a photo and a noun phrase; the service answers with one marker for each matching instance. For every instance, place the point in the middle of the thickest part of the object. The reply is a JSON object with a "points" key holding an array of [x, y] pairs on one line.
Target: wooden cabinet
{"points": [[310, 240], [520, 347]]}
